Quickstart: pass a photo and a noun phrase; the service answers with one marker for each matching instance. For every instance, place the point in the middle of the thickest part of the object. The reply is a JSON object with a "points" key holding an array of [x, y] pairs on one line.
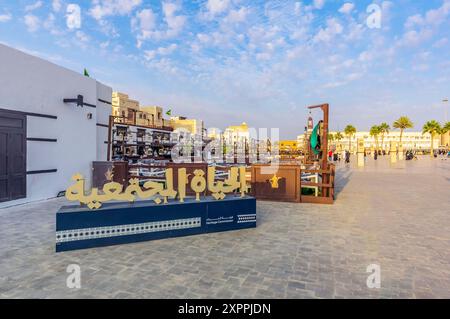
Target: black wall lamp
{"points": [[79, 101]]}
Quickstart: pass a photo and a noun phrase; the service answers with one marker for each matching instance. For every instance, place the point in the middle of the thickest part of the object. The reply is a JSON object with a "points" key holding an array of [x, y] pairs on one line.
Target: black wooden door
{"points": [[13, 155]]}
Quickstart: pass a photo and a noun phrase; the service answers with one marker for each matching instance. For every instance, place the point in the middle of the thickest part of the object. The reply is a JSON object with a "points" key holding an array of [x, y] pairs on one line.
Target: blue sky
{"points": [[263, 62]]}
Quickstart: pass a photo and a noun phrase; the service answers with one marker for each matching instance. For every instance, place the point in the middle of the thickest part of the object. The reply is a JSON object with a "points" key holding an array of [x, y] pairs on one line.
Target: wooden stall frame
{"points": [[268, 197]]}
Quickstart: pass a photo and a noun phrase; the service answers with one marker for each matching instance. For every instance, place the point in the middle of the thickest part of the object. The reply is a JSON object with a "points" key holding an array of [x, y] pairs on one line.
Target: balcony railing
{"points": [[146, 123]]}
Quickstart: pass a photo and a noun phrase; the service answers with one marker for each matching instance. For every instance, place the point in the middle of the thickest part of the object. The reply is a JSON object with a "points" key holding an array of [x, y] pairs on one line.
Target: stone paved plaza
{"points": [[395, 216]]}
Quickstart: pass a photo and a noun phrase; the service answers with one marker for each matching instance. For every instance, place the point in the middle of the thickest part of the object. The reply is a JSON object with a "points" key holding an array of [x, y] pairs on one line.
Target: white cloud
{"points": [[73, 16], [414, 38], [167, 50], [415, 20], [237, 16], [355, 32], [421, 67], [264, 56], [333, 29], [298, 8], [365, 56], [101, 9], [344, 81], [32, 22], [5, 17], [347, 8], [165, 66], [440, 15], [145, 23], [203, 38], [162, 51], [33, 6], [105, 8], [104, 45], [49, 24], [441, 43], [217, 6], [175, 23], [431, 17], [319, 4], [56, 5], [82, 36], [146, 20]]}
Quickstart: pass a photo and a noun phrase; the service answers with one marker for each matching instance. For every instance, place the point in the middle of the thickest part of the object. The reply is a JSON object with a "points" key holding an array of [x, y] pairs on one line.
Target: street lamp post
{"points": [[443, 138], [445, 101]]}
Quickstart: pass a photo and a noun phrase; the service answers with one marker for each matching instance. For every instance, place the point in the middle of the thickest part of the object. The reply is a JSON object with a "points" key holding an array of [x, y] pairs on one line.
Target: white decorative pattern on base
{"points": [[251, 218], [123, 230]]}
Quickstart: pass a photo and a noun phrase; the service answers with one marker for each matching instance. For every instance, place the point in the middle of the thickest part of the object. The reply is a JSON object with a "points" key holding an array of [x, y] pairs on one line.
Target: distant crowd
{"points": [[334, 156]]}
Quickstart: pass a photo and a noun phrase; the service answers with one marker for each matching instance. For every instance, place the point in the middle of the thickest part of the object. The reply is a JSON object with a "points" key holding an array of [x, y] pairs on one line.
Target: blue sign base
{"points": [[124, 223]]}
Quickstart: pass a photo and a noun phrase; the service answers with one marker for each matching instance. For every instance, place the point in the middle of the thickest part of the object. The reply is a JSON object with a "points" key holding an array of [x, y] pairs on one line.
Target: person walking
{"points": [[347, 157]]}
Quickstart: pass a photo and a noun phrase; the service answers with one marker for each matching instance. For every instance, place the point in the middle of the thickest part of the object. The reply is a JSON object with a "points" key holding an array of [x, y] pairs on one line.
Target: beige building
{"points": [[237, 134], [155, 115], [301, 142], [129, 111], [122, 105], [288, 146], [445, 140], [410, 140], [195, 127], [214, 133]]}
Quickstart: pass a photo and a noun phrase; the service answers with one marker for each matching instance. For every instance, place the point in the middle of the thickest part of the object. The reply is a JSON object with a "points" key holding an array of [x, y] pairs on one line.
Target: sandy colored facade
{"points": [[288, 146], [445, 140], [122, 105], [195, 127], [129, 110], [155, 114], [237, 133], [410, 140]]}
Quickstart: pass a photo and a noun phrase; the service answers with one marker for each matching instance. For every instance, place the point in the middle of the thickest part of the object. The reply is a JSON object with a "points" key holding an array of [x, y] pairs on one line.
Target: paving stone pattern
{"points": [[395, 216]]}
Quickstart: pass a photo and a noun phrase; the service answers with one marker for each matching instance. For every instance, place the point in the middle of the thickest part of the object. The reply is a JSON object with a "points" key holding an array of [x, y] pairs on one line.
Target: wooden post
{"points": [[325, 108], [324, 145]]}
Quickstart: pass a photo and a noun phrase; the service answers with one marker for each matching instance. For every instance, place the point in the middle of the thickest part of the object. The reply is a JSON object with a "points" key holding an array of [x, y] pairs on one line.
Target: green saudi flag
{"points": [[86, 73], [169, 113]]}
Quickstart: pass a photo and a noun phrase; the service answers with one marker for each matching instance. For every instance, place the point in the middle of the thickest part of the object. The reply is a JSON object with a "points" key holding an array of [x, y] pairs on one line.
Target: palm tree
{"points": [[402, 124], [375, 132], [384, 129], [331, 137], [433, 128], [446, 128], [338, 137], [350, 130]]}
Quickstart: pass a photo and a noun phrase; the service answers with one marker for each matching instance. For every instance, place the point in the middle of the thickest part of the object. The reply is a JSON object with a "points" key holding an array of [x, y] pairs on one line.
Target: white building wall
{"points": [[104, 110], [410, 140], [32, 85]]}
